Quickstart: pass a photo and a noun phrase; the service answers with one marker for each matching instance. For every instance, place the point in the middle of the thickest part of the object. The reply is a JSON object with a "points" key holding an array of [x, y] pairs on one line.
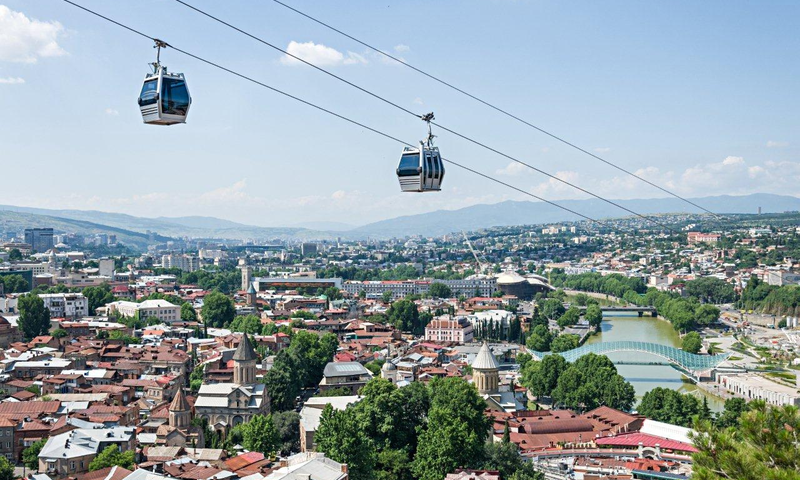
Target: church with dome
{"points": [[226, 405], [486, 378]]}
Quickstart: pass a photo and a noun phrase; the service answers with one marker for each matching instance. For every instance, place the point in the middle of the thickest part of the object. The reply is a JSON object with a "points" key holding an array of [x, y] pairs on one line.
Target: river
{"points": [[621, 327]]}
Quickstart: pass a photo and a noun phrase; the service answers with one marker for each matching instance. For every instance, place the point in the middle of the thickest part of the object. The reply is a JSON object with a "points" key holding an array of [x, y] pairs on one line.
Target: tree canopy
{"points": [[111, 456], [763, 447], [218, 310], [261, 435], [34, 317], [692, 342]]}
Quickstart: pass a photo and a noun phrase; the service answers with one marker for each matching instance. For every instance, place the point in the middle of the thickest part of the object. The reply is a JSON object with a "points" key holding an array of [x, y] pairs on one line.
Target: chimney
{"points": [[344, 468]]}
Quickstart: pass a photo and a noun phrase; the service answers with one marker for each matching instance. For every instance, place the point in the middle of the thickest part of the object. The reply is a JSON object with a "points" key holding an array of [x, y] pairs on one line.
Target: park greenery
{"points": [[588, 383], [685, 313]]}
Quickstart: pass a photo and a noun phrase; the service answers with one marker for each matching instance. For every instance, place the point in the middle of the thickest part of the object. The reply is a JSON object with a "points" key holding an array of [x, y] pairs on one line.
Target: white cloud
{"points": [[513, 169], [24, 40], [774, 144], [602, 149], [11, 81], [554, 189], [319, 55], [112, 112], [401, 48]]}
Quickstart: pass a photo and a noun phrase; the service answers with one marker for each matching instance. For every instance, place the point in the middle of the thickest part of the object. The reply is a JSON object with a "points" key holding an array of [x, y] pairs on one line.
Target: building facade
{"points": [[40, 239], [449, 329], [225, 405], [66, 305]]}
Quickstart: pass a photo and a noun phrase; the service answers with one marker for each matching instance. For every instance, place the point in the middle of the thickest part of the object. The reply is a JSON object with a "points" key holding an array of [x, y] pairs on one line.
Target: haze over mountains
{"points": [[132, 229]]}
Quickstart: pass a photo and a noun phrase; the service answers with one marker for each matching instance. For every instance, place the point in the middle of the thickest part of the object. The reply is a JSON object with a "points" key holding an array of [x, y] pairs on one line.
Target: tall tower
{"points": [[486, 371], [180, 414], [247, 277], [244, 363]]}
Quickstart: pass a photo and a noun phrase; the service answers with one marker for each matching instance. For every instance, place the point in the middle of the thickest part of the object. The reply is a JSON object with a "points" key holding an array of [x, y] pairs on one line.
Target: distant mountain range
{"points": [[132, 230]]}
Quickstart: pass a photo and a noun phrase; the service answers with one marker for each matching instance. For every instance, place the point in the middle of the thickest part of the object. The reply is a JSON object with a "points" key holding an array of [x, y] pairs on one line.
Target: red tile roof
{"points": [[634, 439]]}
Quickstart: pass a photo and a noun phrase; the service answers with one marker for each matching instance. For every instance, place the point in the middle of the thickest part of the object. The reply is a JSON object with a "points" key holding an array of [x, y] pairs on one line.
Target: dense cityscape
{"points": [[486, 354]]}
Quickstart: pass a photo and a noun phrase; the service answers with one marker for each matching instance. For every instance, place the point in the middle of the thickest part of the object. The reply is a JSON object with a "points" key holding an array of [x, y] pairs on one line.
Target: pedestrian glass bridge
{"points": [[684, 361]]}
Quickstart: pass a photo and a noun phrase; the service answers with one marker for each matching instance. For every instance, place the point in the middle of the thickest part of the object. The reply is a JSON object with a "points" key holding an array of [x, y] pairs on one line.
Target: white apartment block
{"points": [[755, 387], [186, 263], [66, 305], [483, 287], [160, 309]]}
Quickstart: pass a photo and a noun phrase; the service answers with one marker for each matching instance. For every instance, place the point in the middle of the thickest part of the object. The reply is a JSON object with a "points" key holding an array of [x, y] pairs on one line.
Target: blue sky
{"points": [[701, 97]]}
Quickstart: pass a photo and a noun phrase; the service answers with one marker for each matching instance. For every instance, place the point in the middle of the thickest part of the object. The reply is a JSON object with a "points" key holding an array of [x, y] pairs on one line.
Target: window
{"points": [[409, 165], [174, 97], [149, 94]]}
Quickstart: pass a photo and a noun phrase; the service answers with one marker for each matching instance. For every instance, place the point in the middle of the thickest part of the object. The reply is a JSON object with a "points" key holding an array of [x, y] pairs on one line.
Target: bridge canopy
{"points": [[676, 356]]}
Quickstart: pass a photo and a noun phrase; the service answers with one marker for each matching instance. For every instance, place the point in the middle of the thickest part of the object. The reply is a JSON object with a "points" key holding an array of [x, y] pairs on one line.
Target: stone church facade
{"points": [[226, 405]]}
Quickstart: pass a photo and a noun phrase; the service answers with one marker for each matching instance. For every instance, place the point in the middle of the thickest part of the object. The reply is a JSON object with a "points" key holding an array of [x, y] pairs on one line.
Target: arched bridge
{"points": [[688, 363]]}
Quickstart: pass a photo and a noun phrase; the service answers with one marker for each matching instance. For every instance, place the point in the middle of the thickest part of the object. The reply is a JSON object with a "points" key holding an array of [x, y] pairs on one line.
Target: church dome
{"points": [[485, 359], [388, 367]]}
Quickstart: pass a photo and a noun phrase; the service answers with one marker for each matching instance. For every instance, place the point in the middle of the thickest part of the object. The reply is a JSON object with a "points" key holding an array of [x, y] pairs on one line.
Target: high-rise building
{"points": [[308, 249], [40, 239]]}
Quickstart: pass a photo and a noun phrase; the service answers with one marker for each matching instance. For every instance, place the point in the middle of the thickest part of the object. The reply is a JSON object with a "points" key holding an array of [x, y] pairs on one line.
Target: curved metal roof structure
{"points": [[675, 356]]}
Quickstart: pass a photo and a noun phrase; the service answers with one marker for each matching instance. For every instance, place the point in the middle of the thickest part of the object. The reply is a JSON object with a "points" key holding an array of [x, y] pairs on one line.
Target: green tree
{"points": [[6, 469], [288, 426], [110, 457], [339, 438], [59, 333], [249, 324], [14, 283], [763, 447], [404, 315], [505, 458], [541, 378], [218, 310], [692, 342], [439, 290], [523, 359], [592, 381], [15, 255], [188, 314], [594, 315], [570, 317], [553, 308], [387, 296], [30, 456], [260, 435], [34, 317], [456, 430], [539, 339], [98, 297], [283, 384], [564, 342], [667, 405], [734, 408], [706, 314]]}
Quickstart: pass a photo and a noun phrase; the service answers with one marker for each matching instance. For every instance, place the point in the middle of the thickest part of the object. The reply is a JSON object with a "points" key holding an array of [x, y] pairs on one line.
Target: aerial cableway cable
{"points": [[337, 115], [410, 112], [496, 108]]}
